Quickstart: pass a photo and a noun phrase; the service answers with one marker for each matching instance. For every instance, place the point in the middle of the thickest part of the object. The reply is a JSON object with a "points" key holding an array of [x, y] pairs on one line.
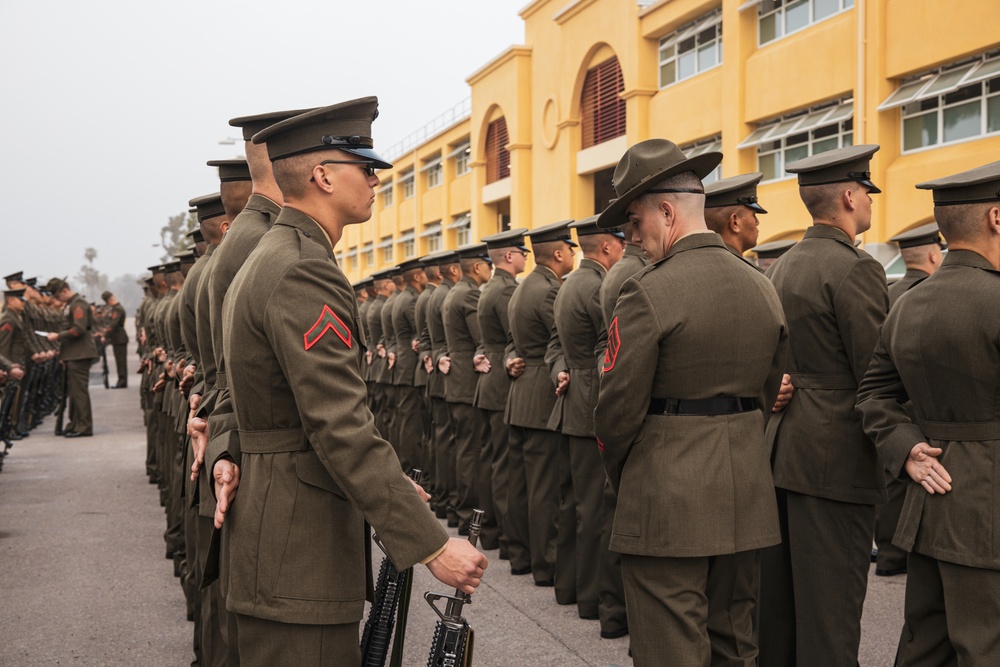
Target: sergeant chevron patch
{"points": [[614, 346], [327, 320]]}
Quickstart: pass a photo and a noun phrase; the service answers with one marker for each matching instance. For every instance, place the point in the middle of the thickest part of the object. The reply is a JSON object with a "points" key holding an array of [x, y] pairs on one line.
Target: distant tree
{"points": [[92, 282], [172, 234]]}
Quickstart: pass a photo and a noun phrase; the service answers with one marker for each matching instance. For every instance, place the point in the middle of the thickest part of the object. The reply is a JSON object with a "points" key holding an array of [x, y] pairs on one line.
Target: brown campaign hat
{"points": [[556, 231], [646, 164], [251, 125], [923, 235], [105, 295], [231, 170], [975, 186], [772, 249], [56, 284], [209, 206], [588, 226], [512, 238], [346, 126], [840, 165], [735, 191]]}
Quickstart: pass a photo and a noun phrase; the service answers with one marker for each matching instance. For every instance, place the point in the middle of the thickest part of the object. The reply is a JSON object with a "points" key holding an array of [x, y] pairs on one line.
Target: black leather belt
{"points": [[721, 405]]}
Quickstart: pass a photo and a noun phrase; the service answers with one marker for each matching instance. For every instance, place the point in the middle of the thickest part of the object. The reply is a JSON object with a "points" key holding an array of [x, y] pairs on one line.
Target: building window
{"points": [[949, 105], [461, 155], [712, 144], [354, 259], [386, 245], [433, 170], [692, 49], [497, 156], [462, 235], [461, 225], [601, 107], [800, 135], [409, 247], [434, 242], [409, 190], [777, 18], [386, 191], [369, 253]]}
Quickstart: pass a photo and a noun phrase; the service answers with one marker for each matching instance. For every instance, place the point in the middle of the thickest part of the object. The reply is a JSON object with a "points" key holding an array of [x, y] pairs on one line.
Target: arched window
{"points": [[497, 157], [602, 108]]}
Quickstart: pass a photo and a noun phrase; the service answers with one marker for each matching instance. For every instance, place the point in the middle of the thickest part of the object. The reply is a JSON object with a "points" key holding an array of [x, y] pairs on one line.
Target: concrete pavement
{"points": [[84, 581]]}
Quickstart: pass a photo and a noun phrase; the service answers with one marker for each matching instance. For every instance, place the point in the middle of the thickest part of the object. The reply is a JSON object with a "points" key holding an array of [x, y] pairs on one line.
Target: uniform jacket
{"points": [[374, 329], [435, 329], [116, 325], [388, 339], [76, 341], [939, 348], [314, 467], [404, 325], [691, 485], [461, 331], [493, 388], [631, 263], [531, 316], [898, 288], [579, 328], [203, 322], [834, 297], [423, 336], [13, 338], [366, 370]]}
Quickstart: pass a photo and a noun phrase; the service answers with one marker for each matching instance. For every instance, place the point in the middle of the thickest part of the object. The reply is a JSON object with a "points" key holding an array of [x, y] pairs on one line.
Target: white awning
{"points": [[406, 236], [702, 148], [694, 28], [387, 186], [461, 148], [353, 252], [408, 176], [941, 83], [367, 247], [430, 165], [461, 221], [431, 229], [798, 124], [748, 4], [385, 243]]}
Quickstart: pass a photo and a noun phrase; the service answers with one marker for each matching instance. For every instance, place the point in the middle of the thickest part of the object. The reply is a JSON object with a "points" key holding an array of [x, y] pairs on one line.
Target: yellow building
{"points": [[764, 81]]}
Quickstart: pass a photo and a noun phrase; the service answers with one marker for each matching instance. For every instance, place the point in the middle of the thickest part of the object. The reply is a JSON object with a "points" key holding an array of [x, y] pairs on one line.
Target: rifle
{"points": [[29, 386], [391, 605], [62, 401], [453, 638], [6, 419]]}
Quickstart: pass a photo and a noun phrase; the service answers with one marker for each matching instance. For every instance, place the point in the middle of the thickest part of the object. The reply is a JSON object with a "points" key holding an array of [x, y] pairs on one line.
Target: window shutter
{"points": [[602, 108], [497, 157]]}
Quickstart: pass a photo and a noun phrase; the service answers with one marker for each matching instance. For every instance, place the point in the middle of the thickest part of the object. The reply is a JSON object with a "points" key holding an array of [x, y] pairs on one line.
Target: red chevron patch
{"points": [[6, 327], [614, 347], [327, 320]]}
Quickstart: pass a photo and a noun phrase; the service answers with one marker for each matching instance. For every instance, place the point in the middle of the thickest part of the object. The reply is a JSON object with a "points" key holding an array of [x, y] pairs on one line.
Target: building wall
{"points": [[861, 52]]}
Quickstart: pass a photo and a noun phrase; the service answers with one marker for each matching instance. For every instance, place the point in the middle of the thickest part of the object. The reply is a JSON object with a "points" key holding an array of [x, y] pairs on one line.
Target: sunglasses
{"points": [[369, 167]]}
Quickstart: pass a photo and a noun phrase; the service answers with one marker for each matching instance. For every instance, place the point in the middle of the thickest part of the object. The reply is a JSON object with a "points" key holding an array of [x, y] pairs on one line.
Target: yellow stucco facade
{"points": [[849, 55]]}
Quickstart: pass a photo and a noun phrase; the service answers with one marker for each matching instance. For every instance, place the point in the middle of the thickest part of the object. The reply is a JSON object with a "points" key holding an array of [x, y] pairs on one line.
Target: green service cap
{"points": [[231, 170], [588, 226], [840, 165], [923, 235], [735, 191], [772, 249], [346, 126], [473, 251], [556, 231], [172, 267], [410, 264], [440, 258], [15, 277], [512, 238], [14, 293], [251, 125], [975, 186], [209, 206]]}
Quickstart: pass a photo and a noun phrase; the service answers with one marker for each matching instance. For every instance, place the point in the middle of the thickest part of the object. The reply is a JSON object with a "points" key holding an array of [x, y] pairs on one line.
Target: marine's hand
{"points": [[459, 565], [515, 367], [52, 337], [563, 384], [424, 496], [16, 372], [380, 349], [444, 364], [481, 363], [415, 345], [428, 365], [392, 359], [784, 393], [198, 430], [924, 468], [227, 481]]}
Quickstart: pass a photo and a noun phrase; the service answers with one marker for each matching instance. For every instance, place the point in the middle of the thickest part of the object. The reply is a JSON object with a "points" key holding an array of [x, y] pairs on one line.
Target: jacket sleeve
{"points": [[79, 317], [861, 302], [322, 367]]}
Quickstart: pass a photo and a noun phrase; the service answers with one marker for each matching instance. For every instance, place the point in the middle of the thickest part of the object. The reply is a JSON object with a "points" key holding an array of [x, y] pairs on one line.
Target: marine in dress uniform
{"points": [[534, 448], [116, 335], [680, 417], [384, 287], [408, 404], [826, 470], [579, 328], [768, 253], [313, 467], [508, 254], [731, 210], [921, 250], [420, 380], [459, 313], [14, 352], [77, 351], [939, 350]]}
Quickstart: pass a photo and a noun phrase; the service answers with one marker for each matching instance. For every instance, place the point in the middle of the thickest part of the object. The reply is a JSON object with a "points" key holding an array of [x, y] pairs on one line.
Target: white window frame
{"points": [[711, 144], [369, 252], [432, 233], [386, 245], [409, 243], [386, 192], [434, 172], [670, 45], [408, 182], [779, 10], [462, 225]]}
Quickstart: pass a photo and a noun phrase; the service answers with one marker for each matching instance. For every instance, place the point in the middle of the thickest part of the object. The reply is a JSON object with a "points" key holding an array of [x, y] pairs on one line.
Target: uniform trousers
{"points": [[813, 585], [951, 615], [194, 556], [890, 557], [266, 643], [588, 476], [517, 527], [77, 382], [409, 426], [389, 415], [152, 465], [499, 473], [691, 612], [444, 458], [213, 607], [470, 437], [566, 580], [121, 363], [611, 609], [541, 468]]}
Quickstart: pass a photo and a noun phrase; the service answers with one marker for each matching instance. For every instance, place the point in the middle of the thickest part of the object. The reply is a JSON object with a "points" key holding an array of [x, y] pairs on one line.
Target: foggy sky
{"points": [[110, 109]]}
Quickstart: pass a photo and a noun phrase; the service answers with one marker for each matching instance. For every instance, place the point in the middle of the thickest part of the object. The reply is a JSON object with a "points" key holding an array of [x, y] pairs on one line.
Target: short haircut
{"points": [[432, 272], [964, 222], [546, 252], [823, 201], [686, 180], [234, 197], [717, 218], [591, 244], [292, 174]]}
